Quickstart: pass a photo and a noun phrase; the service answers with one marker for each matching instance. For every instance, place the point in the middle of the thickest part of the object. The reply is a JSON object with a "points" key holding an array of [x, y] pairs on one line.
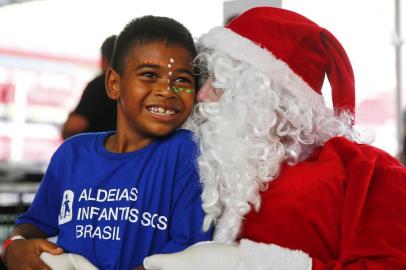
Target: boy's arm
{"points": [[38, 223], [28, 231], [24, 254]]}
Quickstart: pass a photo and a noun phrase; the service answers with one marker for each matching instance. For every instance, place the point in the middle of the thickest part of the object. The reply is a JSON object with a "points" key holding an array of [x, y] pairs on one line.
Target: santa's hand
{"points": [[67, 261], [201, 256], [248, 255]]}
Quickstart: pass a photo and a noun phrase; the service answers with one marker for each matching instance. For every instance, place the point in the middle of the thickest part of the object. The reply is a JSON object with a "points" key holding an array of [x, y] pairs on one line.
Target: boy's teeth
{"points": [[160, 110]]}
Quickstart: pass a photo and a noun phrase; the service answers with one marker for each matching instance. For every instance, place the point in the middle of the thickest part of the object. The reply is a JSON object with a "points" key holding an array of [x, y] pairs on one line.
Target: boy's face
{"points": [[156, 91]]}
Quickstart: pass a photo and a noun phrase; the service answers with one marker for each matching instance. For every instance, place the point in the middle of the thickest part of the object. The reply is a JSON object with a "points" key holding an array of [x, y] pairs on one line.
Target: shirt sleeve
{"points": [[187, 213], [44, 210]]}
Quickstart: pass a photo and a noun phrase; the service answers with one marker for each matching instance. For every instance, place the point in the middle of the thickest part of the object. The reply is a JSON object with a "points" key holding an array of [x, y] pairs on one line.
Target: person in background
{"points": [[402, 154], [115, 197], [285, 179], [95, 111]]}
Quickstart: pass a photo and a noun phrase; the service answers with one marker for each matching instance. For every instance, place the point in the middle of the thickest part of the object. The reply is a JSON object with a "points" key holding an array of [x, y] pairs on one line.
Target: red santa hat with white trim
{"points": [[292, 51]]}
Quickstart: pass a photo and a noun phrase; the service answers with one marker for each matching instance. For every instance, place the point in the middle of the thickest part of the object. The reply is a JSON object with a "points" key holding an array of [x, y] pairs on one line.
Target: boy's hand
{"points": [[24, 254]]}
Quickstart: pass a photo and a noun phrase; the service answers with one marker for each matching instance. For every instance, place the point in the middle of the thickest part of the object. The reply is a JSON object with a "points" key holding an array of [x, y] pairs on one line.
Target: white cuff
{"points": [[261, 256]]}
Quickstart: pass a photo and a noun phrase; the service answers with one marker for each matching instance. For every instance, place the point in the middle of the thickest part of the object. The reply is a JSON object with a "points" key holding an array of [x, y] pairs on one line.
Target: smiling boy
{"points": [[116, 197]]}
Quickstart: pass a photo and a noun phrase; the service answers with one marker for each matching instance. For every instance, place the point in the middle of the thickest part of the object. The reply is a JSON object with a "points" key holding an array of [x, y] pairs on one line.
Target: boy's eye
{"points": [[183, 80], [149, 75]]}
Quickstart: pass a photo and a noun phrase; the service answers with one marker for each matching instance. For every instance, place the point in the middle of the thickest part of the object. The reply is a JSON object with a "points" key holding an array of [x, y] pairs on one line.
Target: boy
{"points": [[116, 197]]}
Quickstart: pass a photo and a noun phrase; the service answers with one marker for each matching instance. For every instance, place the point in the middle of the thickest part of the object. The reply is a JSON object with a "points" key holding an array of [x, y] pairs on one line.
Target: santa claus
{"points": [[287, 182]]}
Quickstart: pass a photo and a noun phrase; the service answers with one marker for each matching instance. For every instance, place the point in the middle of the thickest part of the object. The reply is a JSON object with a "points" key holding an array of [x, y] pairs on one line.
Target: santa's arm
{"points": [[373, 236], [251, 255]]}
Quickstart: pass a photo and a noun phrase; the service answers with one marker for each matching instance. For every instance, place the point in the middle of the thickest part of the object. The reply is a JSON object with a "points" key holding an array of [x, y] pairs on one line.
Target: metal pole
{"points": [[398, 42]]}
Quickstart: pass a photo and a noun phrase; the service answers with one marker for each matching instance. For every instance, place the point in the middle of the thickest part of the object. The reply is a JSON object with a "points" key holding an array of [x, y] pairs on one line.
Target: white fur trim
{"points": [[224, 40], [261, 256]]}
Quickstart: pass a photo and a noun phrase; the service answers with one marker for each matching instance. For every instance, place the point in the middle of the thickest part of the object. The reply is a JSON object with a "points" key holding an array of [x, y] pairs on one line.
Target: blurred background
{"points": [[50, 50]]}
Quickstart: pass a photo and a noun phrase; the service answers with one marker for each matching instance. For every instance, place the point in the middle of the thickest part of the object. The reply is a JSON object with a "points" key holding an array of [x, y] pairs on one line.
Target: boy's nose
{"points": [[164, 89], [165, 92], [207, 93]]}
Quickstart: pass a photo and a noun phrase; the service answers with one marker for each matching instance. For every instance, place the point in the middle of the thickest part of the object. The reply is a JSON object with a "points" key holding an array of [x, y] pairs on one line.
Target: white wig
{"points": [[245, 136]]}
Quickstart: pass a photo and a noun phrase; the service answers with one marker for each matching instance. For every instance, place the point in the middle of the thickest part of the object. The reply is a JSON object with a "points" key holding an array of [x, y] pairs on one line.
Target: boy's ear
{"points": [[113, 84]]}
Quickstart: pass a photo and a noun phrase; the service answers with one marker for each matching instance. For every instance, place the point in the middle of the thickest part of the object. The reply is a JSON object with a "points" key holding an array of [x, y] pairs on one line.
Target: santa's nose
{"points": [[207, 93]]}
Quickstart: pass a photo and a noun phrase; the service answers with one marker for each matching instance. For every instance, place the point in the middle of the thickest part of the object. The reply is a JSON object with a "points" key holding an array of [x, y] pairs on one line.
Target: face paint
{"points": [[174, 88], [171, 61], [178, 89], [170, 74]]}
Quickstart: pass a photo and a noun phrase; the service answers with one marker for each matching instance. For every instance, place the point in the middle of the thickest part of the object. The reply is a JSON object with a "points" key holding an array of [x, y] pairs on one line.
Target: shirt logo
{"points": [[65, 214]]}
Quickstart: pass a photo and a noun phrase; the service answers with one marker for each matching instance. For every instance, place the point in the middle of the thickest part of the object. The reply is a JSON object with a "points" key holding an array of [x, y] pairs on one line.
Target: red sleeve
{"points": [[374, 215], [345, 207]]}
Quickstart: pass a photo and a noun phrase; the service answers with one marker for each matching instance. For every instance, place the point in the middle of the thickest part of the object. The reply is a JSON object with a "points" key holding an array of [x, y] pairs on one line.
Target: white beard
{"points": [[246, 135], [235, 163]]}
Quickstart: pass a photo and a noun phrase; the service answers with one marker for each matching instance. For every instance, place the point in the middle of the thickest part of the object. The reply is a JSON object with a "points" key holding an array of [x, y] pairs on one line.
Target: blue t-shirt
{"points": [[117, 208]]}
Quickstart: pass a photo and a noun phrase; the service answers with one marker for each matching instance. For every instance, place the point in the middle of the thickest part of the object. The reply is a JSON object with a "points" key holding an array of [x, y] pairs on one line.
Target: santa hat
{"points": [[292, 50]]}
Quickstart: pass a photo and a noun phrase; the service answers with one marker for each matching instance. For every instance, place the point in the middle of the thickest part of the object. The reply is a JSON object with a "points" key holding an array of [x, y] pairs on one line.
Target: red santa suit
{"points": [[345, 206]]}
